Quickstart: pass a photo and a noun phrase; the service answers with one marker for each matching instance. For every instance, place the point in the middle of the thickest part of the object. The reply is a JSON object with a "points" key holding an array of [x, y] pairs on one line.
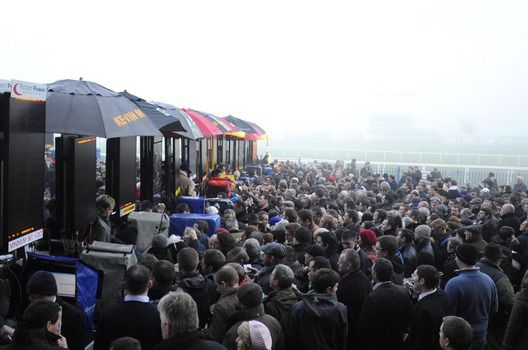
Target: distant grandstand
{"points": [[458, 158]]}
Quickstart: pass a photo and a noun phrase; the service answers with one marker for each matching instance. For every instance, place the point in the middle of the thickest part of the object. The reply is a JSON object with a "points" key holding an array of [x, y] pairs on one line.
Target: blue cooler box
{"points": [[223, 203], [178, 222], [196, 204]]}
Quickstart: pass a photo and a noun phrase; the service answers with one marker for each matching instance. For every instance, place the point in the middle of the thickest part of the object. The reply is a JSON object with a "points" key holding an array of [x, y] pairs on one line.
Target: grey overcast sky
{"points": [[459, 66]]}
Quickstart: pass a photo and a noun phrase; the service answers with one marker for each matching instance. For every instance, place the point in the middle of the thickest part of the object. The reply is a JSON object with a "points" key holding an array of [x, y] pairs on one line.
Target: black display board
{"points": [[22, 171], [75, 160], [121, 173], [150, 171]]}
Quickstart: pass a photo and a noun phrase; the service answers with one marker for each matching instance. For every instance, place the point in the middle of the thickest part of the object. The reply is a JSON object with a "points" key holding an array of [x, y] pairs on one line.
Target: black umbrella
{"points": [[192, 130], [86, 108], [163, 120], [241, 124]]}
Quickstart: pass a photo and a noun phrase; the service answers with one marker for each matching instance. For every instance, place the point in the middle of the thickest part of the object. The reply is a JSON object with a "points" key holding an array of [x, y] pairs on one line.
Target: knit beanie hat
{"points": [[159, 241], [468, 254], [260, 336], [250, 295], [42, 283]]}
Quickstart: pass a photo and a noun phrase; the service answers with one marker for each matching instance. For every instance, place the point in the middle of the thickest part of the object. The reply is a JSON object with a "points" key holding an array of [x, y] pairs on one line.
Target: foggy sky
{"points": [[457, 67]]}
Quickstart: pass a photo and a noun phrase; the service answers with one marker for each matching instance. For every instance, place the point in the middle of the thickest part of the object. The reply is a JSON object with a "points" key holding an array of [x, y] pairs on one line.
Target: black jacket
{"points": [[449, 269], [203, 292], [317, 322], [352, 292], [279, 302], [157, 292], [426, 320], [410, 259], [129, 319], [510, 220], [249, 314], [516, 336], [263, 279], [384, 318], [74, 327], [226, 306], [39, 339], [365, 263], [188, 341]]}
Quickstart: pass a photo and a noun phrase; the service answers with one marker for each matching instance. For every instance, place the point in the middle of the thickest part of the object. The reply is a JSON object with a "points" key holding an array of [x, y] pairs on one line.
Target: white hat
{"points": [[260, 336], [212, 210]]}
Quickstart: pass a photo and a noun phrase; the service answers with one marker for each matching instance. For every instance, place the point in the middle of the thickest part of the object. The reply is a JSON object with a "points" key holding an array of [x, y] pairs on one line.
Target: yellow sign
{"points": [[129, 117], [127, 208]]}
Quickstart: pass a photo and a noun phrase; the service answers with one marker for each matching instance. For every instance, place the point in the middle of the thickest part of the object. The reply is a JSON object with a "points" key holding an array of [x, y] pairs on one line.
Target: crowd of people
{"points": [[324, 256]]}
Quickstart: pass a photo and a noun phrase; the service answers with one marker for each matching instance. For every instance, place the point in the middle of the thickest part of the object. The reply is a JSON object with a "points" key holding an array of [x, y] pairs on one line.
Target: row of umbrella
{"points": [[87, 108]]}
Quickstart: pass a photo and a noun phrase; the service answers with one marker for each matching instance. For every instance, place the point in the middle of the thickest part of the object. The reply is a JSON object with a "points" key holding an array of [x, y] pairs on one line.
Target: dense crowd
{"points": [[324, 256]]}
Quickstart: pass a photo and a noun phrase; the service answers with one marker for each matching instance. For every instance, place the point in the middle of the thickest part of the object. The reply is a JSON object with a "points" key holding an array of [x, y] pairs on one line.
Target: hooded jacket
{"points": [[203, 292], [279, 302], [319, 322], [248, 314], [516, 336]]}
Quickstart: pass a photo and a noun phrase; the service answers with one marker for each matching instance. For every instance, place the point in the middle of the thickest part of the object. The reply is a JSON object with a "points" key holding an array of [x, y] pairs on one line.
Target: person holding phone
{"points": [[40, 328]]}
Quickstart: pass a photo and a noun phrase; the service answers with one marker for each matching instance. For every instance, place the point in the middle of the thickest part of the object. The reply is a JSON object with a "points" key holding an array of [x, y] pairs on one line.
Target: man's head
{"points": [[404, 237], [425, 278], [238, 255], [250, 295], [274, 253], [252, 247], [349, 239], [226, 278], [422, 232], [105, 205], [317, 263], [382, 270], [303, 235], [325, 281], [212, 261], [386, 246], [305, 218], [42, 314], [188, 260], [282, 277], [178, 314], [42, 285], [453, 243], [125, 343], [507, 209], [473, 233], [163, 273], [493, 253], [348, 261], [466, 255], [137, 280], [455, 333]]}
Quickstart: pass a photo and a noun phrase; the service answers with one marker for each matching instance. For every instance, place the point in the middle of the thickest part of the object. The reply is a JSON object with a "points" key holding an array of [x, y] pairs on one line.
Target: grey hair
{"points": [[180, 311], [229, 213], [252, 247], [352, 258], [284, 275], [231, 224]]}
